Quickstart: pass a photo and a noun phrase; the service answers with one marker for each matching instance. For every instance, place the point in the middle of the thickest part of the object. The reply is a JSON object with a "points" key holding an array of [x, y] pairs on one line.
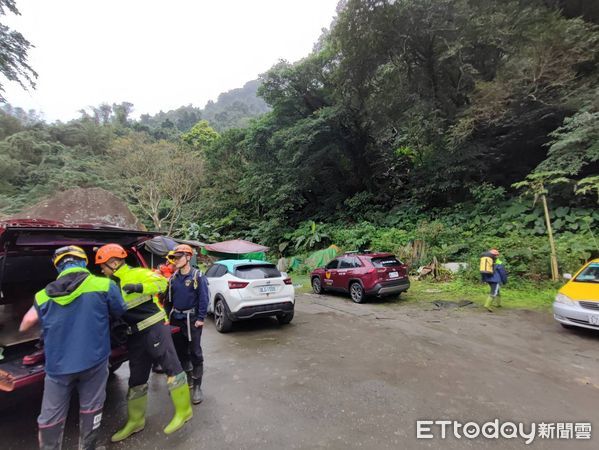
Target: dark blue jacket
{"points": [[75, 313], [187, 292], [499, 274]]}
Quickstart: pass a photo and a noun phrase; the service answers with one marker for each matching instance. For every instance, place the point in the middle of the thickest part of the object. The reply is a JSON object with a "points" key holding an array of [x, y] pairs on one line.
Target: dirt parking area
{"points": [[343, 375]]}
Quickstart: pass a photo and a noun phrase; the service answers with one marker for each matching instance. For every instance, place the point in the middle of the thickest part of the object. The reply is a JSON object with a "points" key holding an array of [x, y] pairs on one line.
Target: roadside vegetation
{"points": [[415, 127]]}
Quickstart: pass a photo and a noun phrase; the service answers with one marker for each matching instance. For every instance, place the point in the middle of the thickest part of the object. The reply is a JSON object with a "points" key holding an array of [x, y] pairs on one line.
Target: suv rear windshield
{"points": [[387, 261], [257, 272], [589, 275]]}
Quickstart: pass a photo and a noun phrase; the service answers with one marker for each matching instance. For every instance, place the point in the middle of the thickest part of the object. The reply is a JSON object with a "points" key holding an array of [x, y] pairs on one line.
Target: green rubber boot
{"points": [[181, 401], [488, 304], [137, 401], [498, 301]]}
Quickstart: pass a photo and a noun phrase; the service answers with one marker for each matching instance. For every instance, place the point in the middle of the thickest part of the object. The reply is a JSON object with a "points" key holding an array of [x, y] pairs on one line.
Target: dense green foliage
{"points": [[410, 121], [14, 50]]}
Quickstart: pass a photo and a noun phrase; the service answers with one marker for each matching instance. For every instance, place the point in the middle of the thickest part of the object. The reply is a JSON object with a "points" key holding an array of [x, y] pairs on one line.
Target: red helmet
{"points": [[183, 248], [108, 251]]}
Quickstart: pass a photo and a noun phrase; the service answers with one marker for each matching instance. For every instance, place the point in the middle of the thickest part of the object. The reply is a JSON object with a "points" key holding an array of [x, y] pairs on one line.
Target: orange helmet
{"points": [[494, 251], [108, 251], [183, 248]]}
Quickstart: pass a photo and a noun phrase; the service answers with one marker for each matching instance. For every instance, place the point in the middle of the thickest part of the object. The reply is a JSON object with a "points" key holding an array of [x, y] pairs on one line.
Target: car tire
{"points": [[222, 321], [567, 327], [317, 286], [285, 318], [356, 292]]}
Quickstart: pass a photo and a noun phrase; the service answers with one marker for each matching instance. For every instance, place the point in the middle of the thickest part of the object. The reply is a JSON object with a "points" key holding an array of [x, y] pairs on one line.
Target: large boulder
{"points": [[78, 206]]}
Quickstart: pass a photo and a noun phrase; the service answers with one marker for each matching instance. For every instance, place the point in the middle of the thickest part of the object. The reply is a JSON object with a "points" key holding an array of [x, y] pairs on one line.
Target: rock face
{"points": [[94, 206]]}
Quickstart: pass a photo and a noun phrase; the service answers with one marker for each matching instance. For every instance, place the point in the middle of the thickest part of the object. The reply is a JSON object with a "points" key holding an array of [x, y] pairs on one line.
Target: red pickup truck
{"points": [[26, 247]]}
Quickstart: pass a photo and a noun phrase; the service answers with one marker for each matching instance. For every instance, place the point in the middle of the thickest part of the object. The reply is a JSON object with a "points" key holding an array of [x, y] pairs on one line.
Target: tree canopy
{"points": [[14, 50], [404, 114]]}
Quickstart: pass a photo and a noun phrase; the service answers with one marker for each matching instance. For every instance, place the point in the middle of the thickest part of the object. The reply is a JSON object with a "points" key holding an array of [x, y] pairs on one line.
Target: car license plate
{"points": [[594, 320], [393, 275], [267, 289]]}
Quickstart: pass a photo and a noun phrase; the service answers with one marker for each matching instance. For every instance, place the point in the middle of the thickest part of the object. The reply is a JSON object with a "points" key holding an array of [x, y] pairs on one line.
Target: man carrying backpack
{"points": [[187, 303], [493, 273]]}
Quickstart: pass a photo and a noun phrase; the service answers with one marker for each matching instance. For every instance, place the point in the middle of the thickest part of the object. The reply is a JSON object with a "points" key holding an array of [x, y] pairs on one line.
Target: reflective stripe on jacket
{"points": [[142, 311], [75, 315]]}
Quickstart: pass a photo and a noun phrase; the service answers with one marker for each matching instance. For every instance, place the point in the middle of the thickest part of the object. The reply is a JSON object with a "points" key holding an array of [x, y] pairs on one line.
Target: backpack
{"points": [[486, 264]]}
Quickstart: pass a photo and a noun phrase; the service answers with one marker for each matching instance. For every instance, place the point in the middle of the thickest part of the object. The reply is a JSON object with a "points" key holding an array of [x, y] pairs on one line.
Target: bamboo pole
{"points": [[554, 269]]}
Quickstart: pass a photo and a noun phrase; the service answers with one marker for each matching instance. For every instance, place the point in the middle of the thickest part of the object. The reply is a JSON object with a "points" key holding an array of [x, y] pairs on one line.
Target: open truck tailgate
{"points": [[13, 373]]}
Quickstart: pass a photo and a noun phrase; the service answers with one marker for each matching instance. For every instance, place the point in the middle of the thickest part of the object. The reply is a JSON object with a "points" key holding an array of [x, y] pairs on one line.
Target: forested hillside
{"points": [[409, 120], [232, 109]]}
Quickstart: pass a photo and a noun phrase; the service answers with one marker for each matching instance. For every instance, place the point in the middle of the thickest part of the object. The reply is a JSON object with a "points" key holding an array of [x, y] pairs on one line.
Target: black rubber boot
{"points": [[89, 425], [197, 396], [188, 368], [50, 438]]}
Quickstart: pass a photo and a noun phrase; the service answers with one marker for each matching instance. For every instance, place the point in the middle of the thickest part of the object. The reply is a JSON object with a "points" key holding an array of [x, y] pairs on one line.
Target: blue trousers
{"points": [[494, 289]]}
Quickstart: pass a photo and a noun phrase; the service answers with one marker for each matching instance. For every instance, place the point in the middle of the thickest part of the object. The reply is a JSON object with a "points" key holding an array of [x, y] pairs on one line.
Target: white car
{"points": [[245, 289]]}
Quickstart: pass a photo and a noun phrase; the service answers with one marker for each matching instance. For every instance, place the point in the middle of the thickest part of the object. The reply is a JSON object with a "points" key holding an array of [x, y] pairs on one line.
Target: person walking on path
{"points": [[493, 273]]}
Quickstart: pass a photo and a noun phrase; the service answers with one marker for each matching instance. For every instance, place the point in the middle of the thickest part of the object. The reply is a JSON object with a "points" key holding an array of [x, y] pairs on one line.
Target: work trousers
{"points": [[494, 289], [153, 345], [189, 350], [91, 386]]}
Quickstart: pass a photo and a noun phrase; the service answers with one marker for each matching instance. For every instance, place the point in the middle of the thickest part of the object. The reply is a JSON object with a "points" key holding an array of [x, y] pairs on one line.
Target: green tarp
{"points": [[317, 259], [321, 257]]}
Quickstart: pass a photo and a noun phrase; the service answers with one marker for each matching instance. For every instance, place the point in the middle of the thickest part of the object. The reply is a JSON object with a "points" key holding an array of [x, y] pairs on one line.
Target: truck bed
{"points": [[13, 373]]}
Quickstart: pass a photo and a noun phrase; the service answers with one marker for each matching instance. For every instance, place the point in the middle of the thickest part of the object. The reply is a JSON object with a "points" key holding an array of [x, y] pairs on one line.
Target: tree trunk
{"points": [[554, 268]]}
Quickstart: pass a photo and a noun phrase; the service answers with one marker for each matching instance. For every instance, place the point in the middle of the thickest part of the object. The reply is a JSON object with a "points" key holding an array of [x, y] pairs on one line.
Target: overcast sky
{"points": [[156, 54]]}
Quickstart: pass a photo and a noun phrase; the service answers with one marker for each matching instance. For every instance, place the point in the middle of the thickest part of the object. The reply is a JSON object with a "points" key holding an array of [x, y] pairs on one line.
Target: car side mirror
{"points": [[567, 276]]}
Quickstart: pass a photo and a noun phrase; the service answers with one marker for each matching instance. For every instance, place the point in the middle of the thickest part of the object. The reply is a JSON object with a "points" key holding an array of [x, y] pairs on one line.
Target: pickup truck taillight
{"points": [[238, 284]]}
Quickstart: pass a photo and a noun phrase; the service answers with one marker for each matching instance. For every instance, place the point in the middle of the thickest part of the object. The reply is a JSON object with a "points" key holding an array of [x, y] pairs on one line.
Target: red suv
{"points": [[362, 275]]}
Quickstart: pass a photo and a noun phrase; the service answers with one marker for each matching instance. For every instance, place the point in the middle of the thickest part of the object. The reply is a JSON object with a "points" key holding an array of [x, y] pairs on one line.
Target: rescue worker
{"points": [[75, 313], [495, 280], [148, 341], [187, 302], [167, 270]]}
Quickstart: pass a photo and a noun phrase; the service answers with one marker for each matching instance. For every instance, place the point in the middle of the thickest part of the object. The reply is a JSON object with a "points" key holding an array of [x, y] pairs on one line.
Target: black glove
{"points": [[130, 288]]}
